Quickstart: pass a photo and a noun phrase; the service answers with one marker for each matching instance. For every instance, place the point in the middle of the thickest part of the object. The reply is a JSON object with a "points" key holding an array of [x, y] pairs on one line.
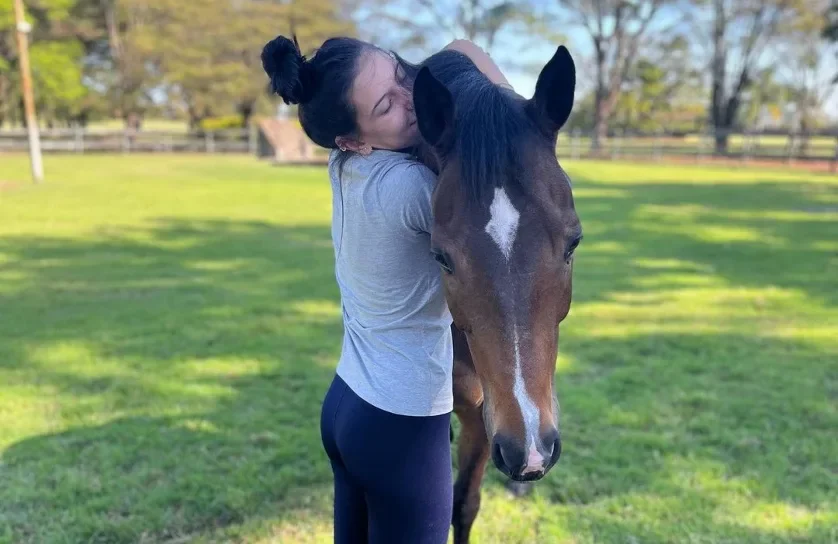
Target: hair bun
{"points": [[291, 75]]}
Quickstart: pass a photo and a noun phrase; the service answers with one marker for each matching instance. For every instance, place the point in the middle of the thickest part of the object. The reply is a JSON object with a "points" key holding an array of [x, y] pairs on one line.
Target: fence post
{"points": [[253, 139], [656, 150], [746, 146], [210, 137], [79, 140], [790, 146], [574, 144], [615, 149], [709, 139], [126, 142]]}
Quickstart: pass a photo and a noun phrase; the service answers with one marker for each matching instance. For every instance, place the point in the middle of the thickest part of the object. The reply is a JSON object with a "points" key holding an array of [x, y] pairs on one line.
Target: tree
{"points": [[426, 25], [740, 32], [57, 74], [208, 53], [809, 84], [830, 28], [117, 69], [311, 21], [54, 54], [616, 29], [655, 87], [764, 102]]}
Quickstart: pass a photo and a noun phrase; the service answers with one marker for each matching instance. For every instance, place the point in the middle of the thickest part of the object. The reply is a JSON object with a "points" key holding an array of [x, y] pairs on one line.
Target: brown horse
{"points": [[504, 233]]}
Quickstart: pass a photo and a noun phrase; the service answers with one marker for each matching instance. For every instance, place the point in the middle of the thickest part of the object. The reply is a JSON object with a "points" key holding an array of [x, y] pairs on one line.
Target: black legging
{"points": [[392, 472]]}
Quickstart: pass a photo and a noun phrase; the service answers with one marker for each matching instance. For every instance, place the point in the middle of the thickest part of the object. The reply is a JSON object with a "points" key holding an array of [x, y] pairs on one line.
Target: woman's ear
{"points": [[345, 143]]}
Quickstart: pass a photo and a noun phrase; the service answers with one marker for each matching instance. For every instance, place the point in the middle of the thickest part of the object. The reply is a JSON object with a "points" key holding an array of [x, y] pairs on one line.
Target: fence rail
{"points": [[119, 141], [745, 146]]}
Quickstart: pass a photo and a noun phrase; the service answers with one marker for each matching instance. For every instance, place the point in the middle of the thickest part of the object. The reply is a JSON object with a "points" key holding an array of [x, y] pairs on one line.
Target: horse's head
{"points": [[504, 233]]}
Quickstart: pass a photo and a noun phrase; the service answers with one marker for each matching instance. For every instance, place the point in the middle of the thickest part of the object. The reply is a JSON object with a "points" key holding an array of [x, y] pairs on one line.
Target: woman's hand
{"points": [[481, 59]]}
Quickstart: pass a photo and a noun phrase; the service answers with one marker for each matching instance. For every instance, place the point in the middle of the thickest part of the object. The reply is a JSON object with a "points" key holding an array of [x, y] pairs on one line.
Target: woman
{"points": [[385, 419]]}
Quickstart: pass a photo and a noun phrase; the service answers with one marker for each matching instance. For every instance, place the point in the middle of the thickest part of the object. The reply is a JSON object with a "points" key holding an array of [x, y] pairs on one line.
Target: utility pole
{"points": [[23, 28]]}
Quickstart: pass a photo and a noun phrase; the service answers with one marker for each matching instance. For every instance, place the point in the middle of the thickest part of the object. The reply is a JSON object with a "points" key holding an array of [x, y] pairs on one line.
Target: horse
{"points": [[504, 233]]}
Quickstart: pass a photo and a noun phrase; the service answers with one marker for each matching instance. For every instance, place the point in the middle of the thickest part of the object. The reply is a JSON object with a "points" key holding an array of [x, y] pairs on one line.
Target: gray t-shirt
{"points": [[397, 349]]}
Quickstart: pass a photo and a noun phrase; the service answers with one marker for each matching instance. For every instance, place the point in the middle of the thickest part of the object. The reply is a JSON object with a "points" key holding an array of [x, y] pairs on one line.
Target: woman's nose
{"points": [[406, 97]]}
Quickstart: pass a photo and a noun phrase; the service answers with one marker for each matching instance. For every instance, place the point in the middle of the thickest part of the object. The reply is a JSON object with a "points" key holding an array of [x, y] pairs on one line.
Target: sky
{"points": [[521, 58]]}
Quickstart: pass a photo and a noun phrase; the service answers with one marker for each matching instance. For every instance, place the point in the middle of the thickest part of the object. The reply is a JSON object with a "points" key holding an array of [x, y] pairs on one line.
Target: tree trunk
{"points": [[195, 117], [804, 134], [3, 99], [600, 123], [600, 119], [718, 107], [109, 9], [246, 111]]}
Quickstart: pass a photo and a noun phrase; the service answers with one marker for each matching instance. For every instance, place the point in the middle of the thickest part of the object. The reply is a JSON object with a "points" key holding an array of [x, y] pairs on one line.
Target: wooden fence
{"points": [[119, 141], [820, 148]]}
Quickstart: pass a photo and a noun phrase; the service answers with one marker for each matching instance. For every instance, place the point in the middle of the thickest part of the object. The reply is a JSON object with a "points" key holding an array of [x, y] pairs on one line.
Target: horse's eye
{"points": [[571, 248], [443, 260]]}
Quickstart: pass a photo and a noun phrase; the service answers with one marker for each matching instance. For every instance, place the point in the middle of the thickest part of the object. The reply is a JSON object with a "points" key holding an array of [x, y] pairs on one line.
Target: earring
{"points": [[366, 150]]}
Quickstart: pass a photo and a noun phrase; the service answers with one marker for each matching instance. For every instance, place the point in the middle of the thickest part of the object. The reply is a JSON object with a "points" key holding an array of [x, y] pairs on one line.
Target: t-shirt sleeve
{"points": [[407, 193], [418, 212]]}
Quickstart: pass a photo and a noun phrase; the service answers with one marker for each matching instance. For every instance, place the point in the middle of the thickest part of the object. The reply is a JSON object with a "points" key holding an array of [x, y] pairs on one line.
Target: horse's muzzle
{"points": [[526, 464]]}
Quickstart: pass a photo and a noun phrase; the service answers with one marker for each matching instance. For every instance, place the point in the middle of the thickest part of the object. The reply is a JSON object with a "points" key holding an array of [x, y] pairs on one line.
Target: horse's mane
{"points": [[491, 124]]}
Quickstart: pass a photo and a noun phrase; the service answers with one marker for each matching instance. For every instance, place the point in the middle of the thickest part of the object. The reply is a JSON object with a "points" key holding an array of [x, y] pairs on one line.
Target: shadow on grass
{"points": [[187, 363]]}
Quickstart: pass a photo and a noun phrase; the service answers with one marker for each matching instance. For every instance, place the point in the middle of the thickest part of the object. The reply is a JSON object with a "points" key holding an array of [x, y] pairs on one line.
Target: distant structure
{"points": [[282, 139]]}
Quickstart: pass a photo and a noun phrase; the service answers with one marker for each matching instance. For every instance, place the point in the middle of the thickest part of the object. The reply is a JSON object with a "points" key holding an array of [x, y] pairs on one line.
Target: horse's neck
{"points": [[426, 155]]}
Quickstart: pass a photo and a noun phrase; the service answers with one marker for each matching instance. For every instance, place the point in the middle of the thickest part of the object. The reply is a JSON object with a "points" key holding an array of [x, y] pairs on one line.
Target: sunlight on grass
{"points": [[778, 518], [603, 247], [585, 192], [718, 234], [317, 309]]}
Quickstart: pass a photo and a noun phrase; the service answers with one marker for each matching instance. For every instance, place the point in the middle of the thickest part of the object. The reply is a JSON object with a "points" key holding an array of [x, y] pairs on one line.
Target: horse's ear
{"points": [[434, 108], [553, 99]]}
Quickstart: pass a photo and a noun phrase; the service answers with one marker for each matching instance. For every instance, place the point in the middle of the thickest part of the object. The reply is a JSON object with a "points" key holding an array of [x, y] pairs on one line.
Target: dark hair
{"points": [[320, 86]]}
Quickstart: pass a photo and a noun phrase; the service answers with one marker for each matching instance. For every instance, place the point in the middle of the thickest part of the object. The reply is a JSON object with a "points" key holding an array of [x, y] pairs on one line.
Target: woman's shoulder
{"points": [[405, 191], [380, 166], [403, 176]]}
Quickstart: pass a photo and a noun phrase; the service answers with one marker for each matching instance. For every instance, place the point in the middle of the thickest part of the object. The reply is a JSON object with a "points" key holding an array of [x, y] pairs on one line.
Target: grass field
{"points": [[168, 326]]}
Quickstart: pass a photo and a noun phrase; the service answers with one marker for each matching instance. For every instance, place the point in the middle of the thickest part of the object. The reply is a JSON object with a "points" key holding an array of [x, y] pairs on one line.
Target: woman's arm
{"points": [[481, 59]]}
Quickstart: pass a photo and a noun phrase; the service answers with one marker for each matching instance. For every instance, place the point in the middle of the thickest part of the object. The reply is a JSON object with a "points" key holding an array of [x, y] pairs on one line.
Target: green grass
{"points": [[821, 147], [168, 326]]}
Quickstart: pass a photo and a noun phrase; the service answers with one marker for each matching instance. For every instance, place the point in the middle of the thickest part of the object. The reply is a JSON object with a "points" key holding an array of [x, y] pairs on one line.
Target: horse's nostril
{"points": [[557, 450], [497, 455], [553, 446], [503, 454]]}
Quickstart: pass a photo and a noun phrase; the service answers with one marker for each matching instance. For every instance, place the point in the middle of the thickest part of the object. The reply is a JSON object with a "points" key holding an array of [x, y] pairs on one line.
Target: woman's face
{"points": [[383, 106]]}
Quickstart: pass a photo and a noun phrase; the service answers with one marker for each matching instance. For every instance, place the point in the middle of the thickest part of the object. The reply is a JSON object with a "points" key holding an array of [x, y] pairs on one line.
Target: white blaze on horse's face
{"points": [[529, 413], [503, 224], [503, 228]]}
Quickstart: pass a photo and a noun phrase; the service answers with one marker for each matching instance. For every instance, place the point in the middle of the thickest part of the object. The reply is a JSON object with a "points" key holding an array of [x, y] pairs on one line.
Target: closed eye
{"points": [[443, 260], [571, 248]]}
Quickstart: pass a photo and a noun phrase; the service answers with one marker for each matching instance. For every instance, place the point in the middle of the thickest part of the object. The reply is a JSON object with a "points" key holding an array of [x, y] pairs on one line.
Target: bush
{"points": [[221, 123]]}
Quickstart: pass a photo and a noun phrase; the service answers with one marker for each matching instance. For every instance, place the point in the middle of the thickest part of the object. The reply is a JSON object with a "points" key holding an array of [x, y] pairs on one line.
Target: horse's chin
{"points": [[529, 477]]}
